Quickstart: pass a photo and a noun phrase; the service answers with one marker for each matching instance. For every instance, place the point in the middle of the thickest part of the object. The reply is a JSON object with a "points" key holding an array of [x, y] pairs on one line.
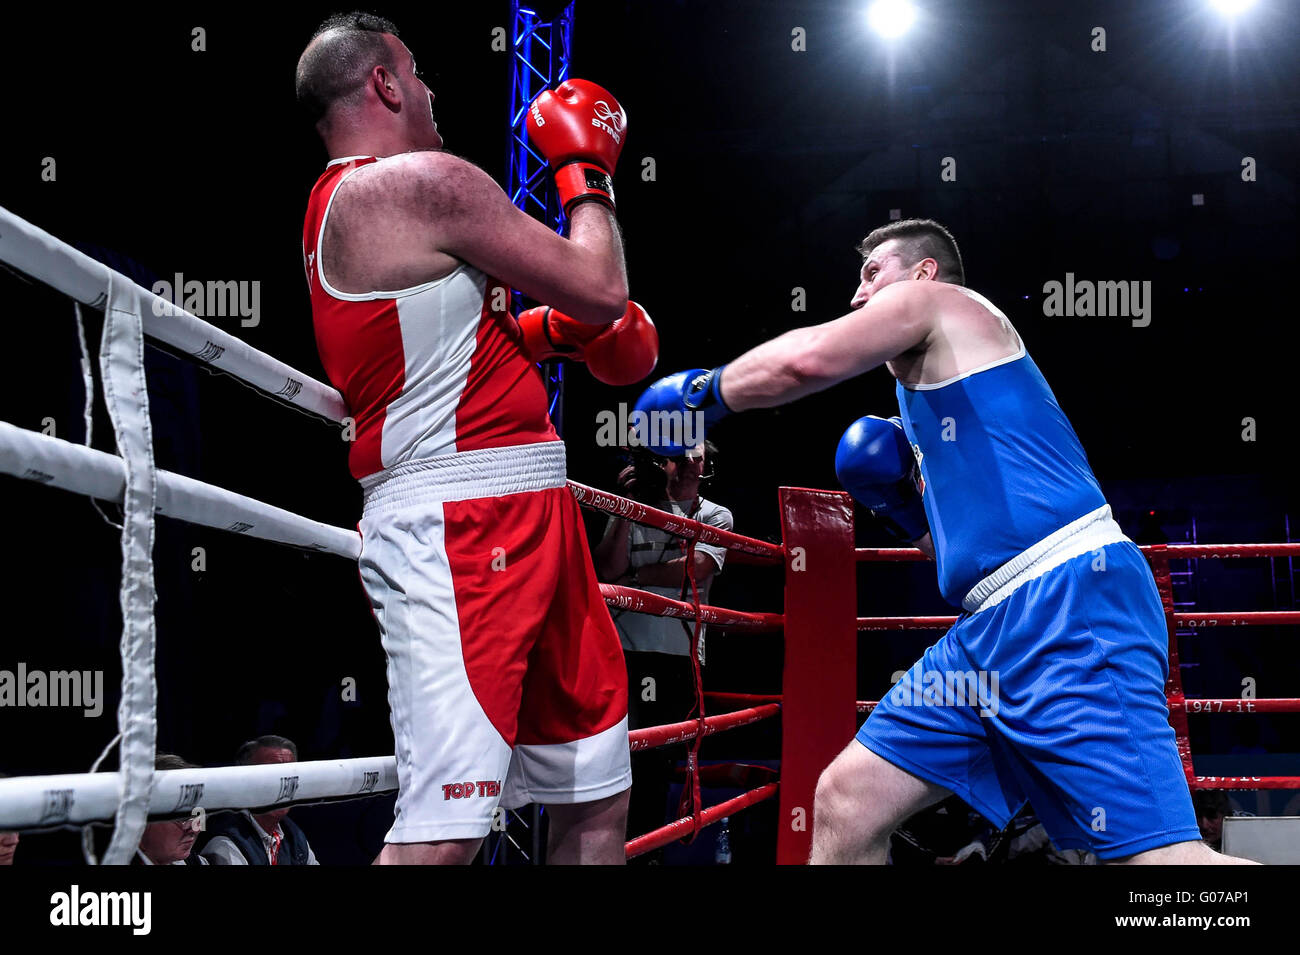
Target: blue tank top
{"points": [[1001, 467]]}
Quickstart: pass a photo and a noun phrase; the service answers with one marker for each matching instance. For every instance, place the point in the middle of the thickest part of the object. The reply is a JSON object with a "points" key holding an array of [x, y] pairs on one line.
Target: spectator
{"points": [[661, 679], [267, 838], [171, 842], [1211, 806]]}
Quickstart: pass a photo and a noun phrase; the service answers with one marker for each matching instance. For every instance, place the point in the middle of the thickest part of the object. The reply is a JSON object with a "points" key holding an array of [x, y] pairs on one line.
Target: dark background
{"points": [[771, 165]]}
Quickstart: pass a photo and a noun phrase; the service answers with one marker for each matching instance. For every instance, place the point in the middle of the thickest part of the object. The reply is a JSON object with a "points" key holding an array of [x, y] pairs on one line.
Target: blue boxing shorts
{"points": [[1051, 689]]}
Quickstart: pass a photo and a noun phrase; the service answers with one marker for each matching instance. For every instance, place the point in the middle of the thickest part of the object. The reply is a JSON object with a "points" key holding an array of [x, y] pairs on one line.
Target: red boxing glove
{"points": [[551, 334], [580, 128], [620, 353], [626, 351]]}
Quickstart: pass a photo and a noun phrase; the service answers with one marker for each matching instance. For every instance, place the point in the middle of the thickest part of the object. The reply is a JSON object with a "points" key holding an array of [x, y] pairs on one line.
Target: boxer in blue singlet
{"points": [[1050, 688]]}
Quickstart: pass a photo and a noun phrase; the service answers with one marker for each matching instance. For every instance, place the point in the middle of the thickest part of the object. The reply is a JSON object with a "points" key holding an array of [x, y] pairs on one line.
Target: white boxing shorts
{"points": [[506, 681]]}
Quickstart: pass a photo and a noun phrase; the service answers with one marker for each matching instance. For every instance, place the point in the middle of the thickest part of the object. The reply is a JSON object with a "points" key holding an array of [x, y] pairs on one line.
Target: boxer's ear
{"points": [[386, 87]]}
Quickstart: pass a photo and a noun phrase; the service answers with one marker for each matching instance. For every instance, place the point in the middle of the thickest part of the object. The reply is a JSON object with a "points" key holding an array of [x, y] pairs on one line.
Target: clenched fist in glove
{"points": [[620, 353], [580, 128]]}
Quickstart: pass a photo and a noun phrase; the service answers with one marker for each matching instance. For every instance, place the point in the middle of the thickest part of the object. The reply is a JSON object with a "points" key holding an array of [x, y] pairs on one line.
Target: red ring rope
{"points": [[680, 526], [694, 815], [669, 733], [642, 601]]}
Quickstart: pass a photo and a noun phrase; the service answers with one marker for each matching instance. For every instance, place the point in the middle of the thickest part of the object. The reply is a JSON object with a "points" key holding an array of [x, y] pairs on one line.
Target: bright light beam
{"points": [[892, 18], [1231, 8]]}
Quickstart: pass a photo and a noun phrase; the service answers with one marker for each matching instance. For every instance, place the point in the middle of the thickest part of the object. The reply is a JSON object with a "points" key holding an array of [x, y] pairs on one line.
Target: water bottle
{"points": [[722, 855]]}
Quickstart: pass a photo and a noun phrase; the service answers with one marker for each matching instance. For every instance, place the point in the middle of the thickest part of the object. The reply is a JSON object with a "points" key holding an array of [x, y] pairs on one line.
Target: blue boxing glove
{"points": [[874, 462], [674, 413]]}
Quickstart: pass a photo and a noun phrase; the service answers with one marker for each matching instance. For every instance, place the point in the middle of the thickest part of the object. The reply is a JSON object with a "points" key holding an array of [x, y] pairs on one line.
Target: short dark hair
{"points": [[335, 66], [245, 755], [171, 761], [921, 239]]}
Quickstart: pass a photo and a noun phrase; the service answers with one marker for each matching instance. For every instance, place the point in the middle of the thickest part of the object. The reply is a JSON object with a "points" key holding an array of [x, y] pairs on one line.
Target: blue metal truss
{"points": [[539, 60]]}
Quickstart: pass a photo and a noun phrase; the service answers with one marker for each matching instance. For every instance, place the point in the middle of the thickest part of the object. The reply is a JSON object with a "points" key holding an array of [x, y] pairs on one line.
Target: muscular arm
{"points": [[806, 360], [471, 218]]}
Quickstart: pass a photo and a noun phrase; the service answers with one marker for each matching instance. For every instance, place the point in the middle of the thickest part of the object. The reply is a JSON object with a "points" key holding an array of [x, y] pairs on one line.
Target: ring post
{"points": [[818, 712]]}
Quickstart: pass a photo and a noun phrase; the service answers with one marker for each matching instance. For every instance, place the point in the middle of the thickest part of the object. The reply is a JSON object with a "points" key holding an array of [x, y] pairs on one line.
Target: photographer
{"points": [[661, 684]]}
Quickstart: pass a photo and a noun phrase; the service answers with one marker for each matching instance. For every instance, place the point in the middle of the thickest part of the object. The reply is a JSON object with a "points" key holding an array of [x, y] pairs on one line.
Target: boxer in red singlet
{"points": [[506, 679]]}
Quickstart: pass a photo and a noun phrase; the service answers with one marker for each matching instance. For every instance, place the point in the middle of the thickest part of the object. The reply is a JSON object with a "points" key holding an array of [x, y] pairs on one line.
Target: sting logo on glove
{"points": [[608, 120]]}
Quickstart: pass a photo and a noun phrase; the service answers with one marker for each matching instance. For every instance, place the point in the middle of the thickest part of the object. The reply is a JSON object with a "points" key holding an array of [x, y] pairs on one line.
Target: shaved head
{"points": [[333, 70]]}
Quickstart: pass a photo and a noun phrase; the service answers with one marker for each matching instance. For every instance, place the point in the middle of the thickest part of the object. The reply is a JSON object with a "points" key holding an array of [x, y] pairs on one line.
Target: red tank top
{"points": [[426, 371]]}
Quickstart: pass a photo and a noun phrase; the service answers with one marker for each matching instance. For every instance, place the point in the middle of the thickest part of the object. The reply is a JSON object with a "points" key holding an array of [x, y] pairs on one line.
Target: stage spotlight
{"points": [[891, 18], [1232, 7]]}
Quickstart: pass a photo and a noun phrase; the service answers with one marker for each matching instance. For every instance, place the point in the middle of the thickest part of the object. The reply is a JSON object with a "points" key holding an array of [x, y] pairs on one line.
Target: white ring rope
{"points": [[44, 802], [77, 275], [126, 395], [131, 312], [48, 460]]}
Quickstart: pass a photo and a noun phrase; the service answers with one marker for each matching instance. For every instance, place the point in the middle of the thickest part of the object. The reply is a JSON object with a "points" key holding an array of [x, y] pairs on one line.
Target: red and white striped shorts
{"points": [[506, 681]]}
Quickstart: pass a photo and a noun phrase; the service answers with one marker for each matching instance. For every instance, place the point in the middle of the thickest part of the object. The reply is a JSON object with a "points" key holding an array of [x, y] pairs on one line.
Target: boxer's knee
{"points": [[861, 799], [444, 852], [590, 833], [847, 789], [846, 822], [833, 797], [609, 813]]}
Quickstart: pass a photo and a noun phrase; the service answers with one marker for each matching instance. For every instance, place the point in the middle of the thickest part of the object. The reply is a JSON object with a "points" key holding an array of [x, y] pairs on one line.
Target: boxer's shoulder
{"points": [[401, 204], [414, 181], [968, 333]]}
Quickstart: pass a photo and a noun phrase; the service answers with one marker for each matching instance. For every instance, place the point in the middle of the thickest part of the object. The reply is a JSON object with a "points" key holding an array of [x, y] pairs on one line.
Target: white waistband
{"points": [[490, 472], [1095, 529]]}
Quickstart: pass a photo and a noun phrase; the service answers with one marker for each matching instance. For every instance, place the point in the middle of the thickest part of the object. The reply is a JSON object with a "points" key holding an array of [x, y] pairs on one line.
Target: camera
{"points": [[649, 479]]}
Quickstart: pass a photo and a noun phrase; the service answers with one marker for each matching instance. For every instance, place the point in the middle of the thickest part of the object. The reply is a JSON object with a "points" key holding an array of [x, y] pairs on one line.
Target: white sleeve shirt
{"points": [[649, 545]]}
